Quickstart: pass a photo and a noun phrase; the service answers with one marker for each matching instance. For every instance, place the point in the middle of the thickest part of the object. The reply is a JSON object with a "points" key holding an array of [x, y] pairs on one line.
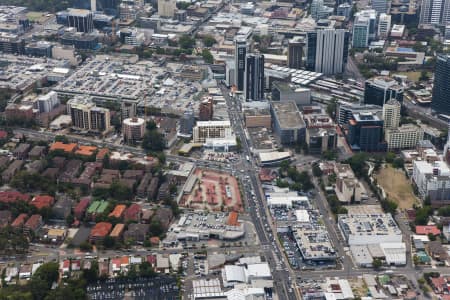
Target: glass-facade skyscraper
{"points": [[240, 53], [441, 88], [254, 77]]}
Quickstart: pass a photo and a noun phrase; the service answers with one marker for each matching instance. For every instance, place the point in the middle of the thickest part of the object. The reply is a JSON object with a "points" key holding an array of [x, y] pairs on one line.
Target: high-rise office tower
{"points": [[206, 109], [109, 7], [435, 12], [166, 8], [81, 19], [327, 50], [380, 6], [316, 7], [187, 122], [441, 88], [240, 53], [295, 52], [361, 32], [391, 114], [254, 77], [381, 89], [320, 10], [384, 25], [371, 14]]}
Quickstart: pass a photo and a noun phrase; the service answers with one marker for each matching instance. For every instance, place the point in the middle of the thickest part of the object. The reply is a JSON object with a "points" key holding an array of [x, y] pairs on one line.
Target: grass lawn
{"points": [[36, 16], [397, 187], [412, 76]]}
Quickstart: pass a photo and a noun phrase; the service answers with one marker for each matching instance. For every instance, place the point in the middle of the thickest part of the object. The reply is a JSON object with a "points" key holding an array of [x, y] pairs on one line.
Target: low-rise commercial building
{"points": [[288, 124], [283, 91], [212, 130], [369, 229]]}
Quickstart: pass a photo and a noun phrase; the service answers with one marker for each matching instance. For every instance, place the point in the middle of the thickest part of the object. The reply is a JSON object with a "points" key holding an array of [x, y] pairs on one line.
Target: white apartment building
{"points": [[86, 116], [133, 129], [391, 114], [166, 8], [212, 130], [384, 25], [404, 137], [432, 179], [47, 102]]}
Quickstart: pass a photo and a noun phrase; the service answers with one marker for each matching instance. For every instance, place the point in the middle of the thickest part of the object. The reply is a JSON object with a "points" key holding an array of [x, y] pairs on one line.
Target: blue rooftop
{"points": [[402, 49]]}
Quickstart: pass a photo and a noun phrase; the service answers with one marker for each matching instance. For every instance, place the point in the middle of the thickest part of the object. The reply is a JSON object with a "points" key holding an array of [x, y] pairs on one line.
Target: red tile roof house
{"points": [[133, 213], [440, 285], [42, 201], [33, 224], [425, 230]]}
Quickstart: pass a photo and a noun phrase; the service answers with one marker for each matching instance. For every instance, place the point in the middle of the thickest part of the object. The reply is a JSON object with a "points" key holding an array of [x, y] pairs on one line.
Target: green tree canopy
{"points": [[186, 42], [209, 40]]}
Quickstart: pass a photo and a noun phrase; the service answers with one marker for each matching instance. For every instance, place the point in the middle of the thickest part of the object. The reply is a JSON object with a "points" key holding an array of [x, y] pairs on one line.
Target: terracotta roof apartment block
{"points": [[37, 152], [68, 148], [153, 188], [118, 211], [71, 170], [42, 201], [117, 231], [33, 224], [425, 230], [137, 232], [13, 196], [19, 221], [86, 150], [101, 154], [81, 207], [4, 162], [141, 191], [12, 169], [133, 174], [133, 213], [99, 231], [5, 217], [21, 151]]}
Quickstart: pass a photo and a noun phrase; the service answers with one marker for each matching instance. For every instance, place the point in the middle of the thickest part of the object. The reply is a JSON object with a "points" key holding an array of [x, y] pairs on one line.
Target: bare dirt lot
{"points": [[397, 187]]}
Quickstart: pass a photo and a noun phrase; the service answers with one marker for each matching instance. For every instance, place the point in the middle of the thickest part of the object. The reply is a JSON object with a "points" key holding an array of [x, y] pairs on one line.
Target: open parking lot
{"points": [[139, 288]]}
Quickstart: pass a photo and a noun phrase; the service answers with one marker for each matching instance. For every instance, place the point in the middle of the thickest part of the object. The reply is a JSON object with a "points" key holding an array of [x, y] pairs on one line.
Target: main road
{"points": [[283, 276]]}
